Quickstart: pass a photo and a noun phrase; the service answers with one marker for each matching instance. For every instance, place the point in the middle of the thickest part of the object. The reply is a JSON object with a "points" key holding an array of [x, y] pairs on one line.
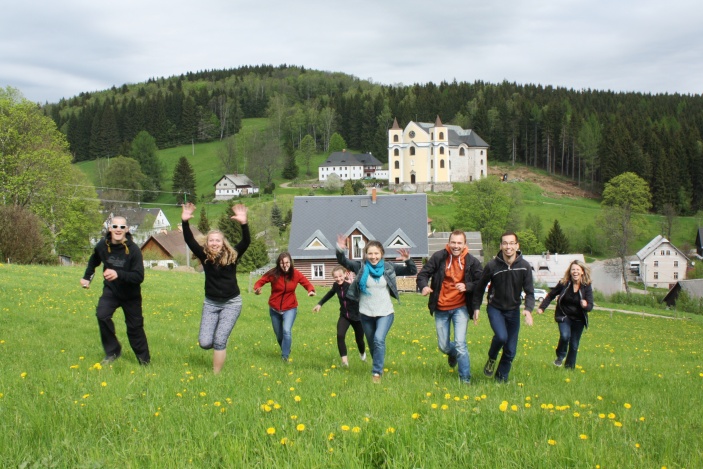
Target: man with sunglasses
{"points": [[123, 273]]}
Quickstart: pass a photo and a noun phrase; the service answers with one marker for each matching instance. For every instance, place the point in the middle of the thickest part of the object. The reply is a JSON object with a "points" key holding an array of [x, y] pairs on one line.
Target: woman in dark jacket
{"points": [[574, 300], [348, 314]]}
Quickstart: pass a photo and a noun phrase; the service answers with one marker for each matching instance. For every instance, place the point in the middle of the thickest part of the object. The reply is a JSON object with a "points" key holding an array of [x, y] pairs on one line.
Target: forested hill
{"points": [[589, 135]]}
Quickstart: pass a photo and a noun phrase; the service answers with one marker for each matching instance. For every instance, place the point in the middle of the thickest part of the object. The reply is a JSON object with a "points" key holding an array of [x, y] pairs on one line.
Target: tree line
{"points": [[587, 135]]}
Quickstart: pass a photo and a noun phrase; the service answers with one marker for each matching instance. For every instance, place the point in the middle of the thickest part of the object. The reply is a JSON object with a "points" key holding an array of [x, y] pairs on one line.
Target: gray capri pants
{"points": [[217, 322]]}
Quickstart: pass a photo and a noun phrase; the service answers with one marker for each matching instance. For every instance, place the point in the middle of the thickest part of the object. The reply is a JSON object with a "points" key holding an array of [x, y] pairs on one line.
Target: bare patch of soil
{"points": [[551, 186]]}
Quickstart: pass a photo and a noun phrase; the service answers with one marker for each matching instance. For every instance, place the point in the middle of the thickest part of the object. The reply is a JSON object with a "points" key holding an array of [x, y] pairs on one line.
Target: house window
{"points": [[431, 164], [668, 253], [396, 152], [662, 252], [318, 271], [441, 150], [441, 135], [481, 162], [656, 275], [656, 263], [461, 152], [412, 151], [397, 180], [395, 138], [397, 165], [676, 263], [676, 275], [441, 164], [481, 152], [357, 247]]}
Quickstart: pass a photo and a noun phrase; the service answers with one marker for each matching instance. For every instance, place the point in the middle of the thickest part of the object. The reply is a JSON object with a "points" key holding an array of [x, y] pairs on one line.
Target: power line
{"points": [[125, 189]]}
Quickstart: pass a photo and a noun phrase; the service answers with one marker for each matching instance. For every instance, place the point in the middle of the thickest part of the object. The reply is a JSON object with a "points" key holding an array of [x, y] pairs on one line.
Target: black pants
{"points": [[107, 305], [342, 328]]}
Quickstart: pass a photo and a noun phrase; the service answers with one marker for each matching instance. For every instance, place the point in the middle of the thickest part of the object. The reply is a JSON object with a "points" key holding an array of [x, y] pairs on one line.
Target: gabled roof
{"points": [[694, 288], [171, 242], [324, 217], [345, 158], [654, 244], [239, 180], [134, 216], [456, 135]]}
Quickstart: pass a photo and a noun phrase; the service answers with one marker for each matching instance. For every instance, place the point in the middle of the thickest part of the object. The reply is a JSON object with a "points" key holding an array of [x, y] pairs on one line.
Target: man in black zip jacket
{"points": [[509, 274], [123, 273]]}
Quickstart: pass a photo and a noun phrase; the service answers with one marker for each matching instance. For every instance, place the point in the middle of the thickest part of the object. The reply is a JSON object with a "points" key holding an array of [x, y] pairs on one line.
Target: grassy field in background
{"points": [[631, 402]]}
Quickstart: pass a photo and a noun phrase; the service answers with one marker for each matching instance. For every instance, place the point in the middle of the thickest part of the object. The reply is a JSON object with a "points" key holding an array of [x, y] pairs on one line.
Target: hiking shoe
{"points": [[376, 378], [110, 358], [285, 359], [489, 368], [451, 360], [558, 361]]}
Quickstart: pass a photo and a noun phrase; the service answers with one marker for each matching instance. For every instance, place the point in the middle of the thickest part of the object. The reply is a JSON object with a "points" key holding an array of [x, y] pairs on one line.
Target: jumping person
{"points": [[509, 274], [223, 303], [283, 304], [449, 277], [348, 314], [373, 287], [123, 274], [574, 300]]}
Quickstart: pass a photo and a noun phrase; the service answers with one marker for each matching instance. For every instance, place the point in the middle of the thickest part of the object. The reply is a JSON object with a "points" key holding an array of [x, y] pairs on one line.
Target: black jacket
{"points": [[348, 308], [585, 293], [434, 270], [124, 258], [507, 282]]}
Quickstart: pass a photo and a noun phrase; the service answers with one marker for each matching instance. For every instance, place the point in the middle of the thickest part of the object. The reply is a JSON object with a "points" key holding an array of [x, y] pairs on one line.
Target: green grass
{"points": [[58, 409]]}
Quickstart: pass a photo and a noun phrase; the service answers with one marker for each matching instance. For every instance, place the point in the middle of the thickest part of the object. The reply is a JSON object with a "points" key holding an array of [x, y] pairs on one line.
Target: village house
{"points": [[430, 157], [548, 269], [168, 249], [143, 222], [234, 185], [694, 289], [397, 221], [350, 166], [661, 263]]}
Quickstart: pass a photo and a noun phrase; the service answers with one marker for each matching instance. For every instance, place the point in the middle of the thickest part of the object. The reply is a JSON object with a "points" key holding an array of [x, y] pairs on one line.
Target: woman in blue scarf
{"points": [[373, 287]]}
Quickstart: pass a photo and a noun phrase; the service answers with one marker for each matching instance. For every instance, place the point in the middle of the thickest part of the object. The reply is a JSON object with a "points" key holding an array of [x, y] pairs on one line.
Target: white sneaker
{"points": [[362, 356]]}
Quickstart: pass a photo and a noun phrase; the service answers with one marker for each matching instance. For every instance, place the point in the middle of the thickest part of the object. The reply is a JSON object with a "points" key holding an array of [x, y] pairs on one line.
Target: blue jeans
{"points": [[376, 329], [569, 337], [506, 327], [457, 349], [282, 327]]}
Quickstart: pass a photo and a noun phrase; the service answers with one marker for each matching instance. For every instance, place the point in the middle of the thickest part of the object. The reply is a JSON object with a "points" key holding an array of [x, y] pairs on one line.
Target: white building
{"points": [[661, 263], [350, 166], [429, 157], [234, 185]]}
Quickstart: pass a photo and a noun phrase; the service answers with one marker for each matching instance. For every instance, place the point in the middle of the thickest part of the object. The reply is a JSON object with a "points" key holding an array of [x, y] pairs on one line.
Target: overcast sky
{"points": [[50, 50]]}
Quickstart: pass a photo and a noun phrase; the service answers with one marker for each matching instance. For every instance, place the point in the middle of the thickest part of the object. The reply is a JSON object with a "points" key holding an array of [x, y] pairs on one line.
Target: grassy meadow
{"points": [[632, 401]]}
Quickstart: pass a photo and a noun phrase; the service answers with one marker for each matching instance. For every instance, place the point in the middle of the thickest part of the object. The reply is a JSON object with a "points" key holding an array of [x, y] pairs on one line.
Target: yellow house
{"points": [[430, 157]]}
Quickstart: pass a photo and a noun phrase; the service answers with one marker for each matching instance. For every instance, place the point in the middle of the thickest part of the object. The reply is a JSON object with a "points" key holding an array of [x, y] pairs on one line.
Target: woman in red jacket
{"points": [[283, 305]]}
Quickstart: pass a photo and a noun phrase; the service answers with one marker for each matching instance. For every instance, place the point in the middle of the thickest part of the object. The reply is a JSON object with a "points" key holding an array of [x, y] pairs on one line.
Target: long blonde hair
{"points": [[585, 278], [227, 255]]}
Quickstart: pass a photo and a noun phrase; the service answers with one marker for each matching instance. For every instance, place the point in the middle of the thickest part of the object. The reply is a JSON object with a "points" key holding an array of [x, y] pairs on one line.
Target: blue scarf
{"points": [[374, 270]]}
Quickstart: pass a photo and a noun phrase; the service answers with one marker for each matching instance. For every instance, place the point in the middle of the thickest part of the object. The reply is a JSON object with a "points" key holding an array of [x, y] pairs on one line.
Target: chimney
{"points": [[373, 195]]}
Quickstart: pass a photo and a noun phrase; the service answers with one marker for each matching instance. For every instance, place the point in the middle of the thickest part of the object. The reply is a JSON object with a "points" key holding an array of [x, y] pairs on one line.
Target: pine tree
{"points": [[230, 228], [203, 222], [144, 151], [255, 257], [348, 188], [556, 241], [276, 216], [184, 181], [290, 170]]}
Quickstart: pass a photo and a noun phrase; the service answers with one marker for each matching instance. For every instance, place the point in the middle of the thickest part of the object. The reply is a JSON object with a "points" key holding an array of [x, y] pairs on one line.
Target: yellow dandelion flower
{"points": [[345, 428], [23, 374], [300, 427], [602, 416], [577, 415], [86, 396], [428, 394], [74, 367], [527, 405], [103, 384], [366, 419], [483, 396], [297, 399], [503, 406], [284, 441], [434, 406], [334, 394], [528, 398], [270, 431], [223, 410], [617, 424], [356, 430], [217, 404], [600, 398], [641, 419], [178, 394], [447, 396], [293, 417], [513, 408], [267, 408], [331, 450], [611, 415], [568, 380], [445, 406], [291, 389], [330, 437], [277, 406], [156, 414], [1, 395], [627, 405], [415, 416], [637, 445], [270, 402], [552, 442], [477, 398], [203, 394], [390, 430], [583, 437]]}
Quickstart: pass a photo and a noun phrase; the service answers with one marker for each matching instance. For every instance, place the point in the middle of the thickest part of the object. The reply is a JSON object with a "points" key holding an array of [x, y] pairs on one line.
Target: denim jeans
{"points": [[569, 337], [282, 325], [456, 349], [375, 330], [506, 327]]}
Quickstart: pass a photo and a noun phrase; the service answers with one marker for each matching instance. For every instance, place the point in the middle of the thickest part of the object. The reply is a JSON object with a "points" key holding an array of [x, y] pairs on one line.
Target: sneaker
{"points": [[376, 378], [466, 382], [558, 361], [451, 360], [362, 356], [111, 358], [489, 368], [285, 359], [345, 362]]}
